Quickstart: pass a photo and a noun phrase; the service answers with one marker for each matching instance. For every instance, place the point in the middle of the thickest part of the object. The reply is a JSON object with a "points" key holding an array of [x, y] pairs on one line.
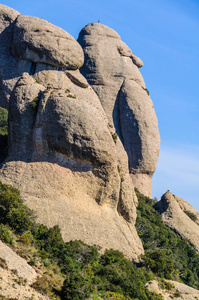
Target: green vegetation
{"points": [[5, 234], [12, 210], [190, 215], [35, 103], [3, 133], [74, 270], [3, 121], [114, 136], [38, 81], [72, 96], [166, 254]]}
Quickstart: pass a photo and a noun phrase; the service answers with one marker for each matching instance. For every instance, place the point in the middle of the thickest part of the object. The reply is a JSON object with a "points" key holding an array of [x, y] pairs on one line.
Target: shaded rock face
{"points": [[180, 216], [112, 70], [62, 155]]}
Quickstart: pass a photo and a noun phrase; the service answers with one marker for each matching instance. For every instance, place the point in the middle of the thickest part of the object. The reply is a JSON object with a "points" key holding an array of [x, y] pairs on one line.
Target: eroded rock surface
{"points": [[178, 291], [39, 41], [112, 70], [62, 152], [175, 213], [15, 262], [11, 287]]}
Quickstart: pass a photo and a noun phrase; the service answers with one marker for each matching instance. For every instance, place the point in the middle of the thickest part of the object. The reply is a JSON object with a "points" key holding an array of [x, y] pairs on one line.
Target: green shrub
{"points": [[71, 96], [3, 264], [160, 262], [3, 121], [3, 133], [116, 296], [35, 103], [154, 296], [114, 136], [165, 285], [12, 210], [190, 215], [177, 294], [5, 234]]}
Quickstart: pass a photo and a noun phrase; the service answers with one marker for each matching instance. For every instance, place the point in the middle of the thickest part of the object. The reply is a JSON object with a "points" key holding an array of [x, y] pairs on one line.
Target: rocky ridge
{"points": [[178, 290], [179, 215], [16, 276]]}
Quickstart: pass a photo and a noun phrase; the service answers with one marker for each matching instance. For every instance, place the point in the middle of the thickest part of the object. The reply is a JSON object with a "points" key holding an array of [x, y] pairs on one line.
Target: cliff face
{"points": [[72, 146]]}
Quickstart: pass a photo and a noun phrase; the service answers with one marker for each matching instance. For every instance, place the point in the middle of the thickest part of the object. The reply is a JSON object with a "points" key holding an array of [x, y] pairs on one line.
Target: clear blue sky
{"points": [[165, 35]]}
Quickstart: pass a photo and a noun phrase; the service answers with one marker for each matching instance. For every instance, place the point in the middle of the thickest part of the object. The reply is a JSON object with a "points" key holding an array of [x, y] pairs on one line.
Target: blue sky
{"points": [[165, 35]]}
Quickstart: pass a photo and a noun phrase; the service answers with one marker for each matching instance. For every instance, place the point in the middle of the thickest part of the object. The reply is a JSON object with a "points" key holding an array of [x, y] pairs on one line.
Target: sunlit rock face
{"points": [[179, 215], [113, 72], [63, 154]]}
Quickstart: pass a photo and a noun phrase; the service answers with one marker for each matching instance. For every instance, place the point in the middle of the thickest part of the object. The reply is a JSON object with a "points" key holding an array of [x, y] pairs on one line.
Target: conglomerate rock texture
{"points": [[113, 72], [71, 146], [179, 215]]}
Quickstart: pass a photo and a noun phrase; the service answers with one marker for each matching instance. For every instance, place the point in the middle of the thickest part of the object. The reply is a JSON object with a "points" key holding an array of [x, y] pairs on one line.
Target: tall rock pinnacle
{"points": [[112, 70]]}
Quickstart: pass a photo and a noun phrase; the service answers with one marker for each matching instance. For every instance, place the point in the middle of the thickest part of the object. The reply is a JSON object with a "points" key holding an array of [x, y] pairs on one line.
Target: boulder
{"points": [[170, 207], [113, 72], [26, 41], [39, 41]]}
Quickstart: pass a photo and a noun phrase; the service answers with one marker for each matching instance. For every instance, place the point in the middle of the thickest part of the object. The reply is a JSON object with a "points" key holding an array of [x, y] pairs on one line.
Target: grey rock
{"points": [[112, 70], [39, 41], [63, 150], [22, 114], [8, 64], [140, 134], [64, 154]]}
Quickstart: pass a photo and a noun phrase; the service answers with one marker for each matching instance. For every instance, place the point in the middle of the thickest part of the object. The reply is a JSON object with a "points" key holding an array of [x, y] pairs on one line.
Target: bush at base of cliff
{"points": [[12, 210], [3, 133], [89, 275], [5, 234]]}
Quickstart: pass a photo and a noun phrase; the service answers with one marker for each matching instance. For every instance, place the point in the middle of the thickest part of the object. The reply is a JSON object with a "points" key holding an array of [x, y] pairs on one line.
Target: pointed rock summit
{"points": [[179, 215]]}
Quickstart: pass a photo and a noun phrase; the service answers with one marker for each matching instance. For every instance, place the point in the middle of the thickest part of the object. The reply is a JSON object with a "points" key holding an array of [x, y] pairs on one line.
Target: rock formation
{"points": [[178, 291], [17, 276], [64, 154], [180, 216], [15, 262], [113, 72]]}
